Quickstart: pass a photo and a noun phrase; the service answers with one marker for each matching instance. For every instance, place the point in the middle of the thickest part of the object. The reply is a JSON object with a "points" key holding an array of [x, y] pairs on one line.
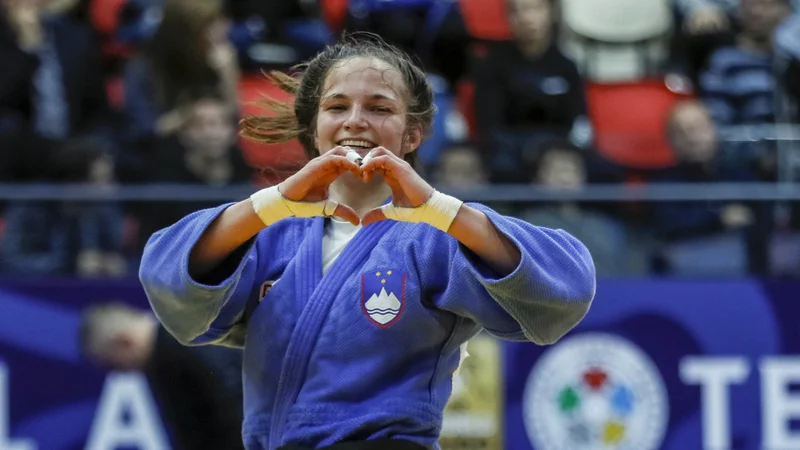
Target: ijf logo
{"points": [[383, 295], [595, 391]]}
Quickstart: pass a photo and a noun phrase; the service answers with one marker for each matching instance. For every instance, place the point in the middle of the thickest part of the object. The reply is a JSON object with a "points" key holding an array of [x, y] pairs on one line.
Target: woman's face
{"points": [[562, 170], [531, 20], [209, 129], [217, 32], [363, 105]]}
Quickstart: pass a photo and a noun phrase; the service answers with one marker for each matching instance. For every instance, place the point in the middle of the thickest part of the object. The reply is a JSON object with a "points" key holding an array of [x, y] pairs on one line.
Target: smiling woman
{"points": [[355, 343], [288, 121]]}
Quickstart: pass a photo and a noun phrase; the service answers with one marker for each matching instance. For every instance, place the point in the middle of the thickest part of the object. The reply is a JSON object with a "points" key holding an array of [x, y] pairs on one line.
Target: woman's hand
{"points": [[311, 183], [414, 200], [409, 190]]}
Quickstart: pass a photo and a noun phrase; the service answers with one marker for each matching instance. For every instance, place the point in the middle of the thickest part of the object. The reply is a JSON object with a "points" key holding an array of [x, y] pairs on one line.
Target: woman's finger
{"points": [[337, 163], [331, 172], [384, 165], [375, 215], [381, 151], [338, 150], [346, 213]]}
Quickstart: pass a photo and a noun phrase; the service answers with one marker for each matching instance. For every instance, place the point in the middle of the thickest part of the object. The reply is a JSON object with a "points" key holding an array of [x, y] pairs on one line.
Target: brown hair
{"points": [[178, 51], [297, 119]]}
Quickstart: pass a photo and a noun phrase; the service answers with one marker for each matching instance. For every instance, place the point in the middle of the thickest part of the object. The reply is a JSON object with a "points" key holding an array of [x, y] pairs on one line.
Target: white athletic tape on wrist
{"points": [[271, 206], [439, 211]]}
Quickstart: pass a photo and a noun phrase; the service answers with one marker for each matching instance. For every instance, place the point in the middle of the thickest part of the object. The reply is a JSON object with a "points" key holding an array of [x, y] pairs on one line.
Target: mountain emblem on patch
{"points": [[383, 296]]}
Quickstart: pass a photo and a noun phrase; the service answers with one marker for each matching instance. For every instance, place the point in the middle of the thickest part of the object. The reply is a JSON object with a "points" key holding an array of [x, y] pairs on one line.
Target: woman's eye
{"points": [[382, 109], [336, 108]]}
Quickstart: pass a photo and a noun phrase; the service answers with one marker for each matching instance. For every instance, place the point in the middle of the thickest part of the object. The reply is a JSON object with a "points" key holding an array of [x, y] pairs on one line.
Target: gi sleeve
{"points": [[543, 298], [196, 312]]}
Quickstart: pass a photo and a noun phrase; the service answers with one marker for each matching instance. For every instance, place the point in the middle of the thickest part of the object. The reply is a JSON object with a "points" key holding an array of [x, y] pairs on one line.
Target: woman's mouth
{"points": [[359, 145]]}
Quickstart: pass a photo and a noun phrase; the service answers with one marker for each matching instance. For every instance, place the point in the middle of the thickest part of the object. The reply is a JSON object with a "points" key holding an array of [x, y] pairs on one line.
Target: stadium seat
{"points": [[277, 159], [616, 40], [104, 15], [465, 102], [334, 12], [115, 90], [486, 19], [629, 120], [109, 19]]}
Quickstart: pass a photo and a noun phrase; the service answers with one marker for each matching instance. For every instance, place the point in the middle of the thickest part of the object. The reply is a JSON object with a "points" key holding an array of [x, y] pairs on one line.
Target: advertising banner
{"points": [[664, 365], [51, 398], [656, 364]]}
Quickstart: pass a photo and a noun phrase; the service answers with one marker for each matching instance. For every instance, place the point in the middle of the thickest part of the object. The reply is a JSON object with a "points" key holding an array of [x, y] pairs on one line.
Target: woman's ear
{"points": [[413, 139]]}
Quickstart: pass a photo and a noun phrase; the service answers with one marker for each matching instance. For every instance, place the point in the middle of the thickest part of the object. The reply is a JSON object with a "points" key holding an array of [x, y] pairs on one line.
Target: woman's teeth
{"points": [[357, 143]]}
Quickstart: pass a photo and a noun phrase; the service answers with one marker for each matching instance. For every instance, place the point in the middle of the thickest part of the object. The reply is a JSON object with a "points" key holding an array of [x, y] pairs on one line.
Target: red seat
{"points": [[334, 13], [104, 15], [277, 160], [629, 122], [486, 19], [115, 90], [465, 102]]}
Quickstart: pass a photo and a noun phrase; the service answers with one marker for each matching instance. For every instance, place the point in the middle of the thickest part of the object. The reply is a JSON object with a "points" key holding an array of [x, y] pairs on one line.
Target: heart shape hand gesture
{"points": [[311, 183], [305, 194]]}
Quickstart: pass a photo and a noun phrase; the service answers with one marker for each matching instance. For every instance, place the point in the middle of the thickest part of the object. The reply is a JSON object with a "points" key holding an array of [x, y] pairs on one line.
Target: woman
{"points": [[351, 324], [189, 54]]}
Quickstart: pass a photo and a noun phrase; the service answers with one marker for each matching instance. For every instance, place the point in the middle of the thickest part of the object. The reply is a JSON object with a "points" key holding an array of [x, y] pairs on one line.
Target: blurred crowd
{"points": [[557, 93]]}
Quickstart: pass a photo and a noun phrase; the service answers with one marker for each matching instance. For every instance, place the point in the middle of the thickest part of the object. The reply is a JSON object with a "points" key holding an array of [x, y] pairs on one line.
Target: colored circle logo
{"points": [[595, 391]]}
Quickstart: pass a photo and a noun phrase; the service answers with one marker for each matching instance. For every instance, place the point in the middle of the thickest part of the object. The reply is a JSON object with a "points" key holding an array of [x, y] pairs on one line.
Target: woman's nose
{"points": [[355, 120]]}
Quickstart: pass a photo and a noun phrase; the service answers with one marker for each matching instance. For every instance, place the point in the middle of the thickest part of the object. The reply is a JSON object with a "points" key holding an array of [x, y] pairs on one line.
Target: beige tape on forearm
{"points": [[271, 206], [439, 211]]}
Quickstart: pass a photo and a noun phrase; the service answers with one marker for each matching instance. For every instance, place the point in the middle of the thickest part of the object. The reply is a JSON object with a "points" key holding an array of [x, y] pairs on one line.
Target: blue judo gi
{"points": [[369, 349]]}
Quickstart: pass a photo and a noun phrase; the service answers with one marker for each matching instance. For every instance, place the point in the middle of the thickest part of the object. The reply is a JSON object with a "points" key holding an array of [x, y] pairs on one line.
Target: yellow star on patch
{"points": [[383, 281], [388, 272], [377, 274]]}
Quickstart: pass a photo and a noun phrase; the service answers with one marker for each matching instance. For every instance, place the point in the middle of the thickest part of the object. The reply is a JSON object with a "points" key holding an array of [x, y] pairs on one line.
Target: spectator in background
{"points": [[203, 151], [67, 238], [460, 166], [710, 16], [98, 226], [739, 86], [526, 91], [706, 16], [614, 248], [703, 27], [198, 389], [51, 85], [189, 54], [787, 43], [700, 237]]}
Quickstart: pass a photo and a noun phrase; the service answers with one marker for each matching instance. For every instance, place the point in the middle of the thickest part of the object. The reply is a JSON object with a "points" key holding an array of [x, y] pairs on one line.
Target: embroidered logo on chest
{"points": [[383, 295]]}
